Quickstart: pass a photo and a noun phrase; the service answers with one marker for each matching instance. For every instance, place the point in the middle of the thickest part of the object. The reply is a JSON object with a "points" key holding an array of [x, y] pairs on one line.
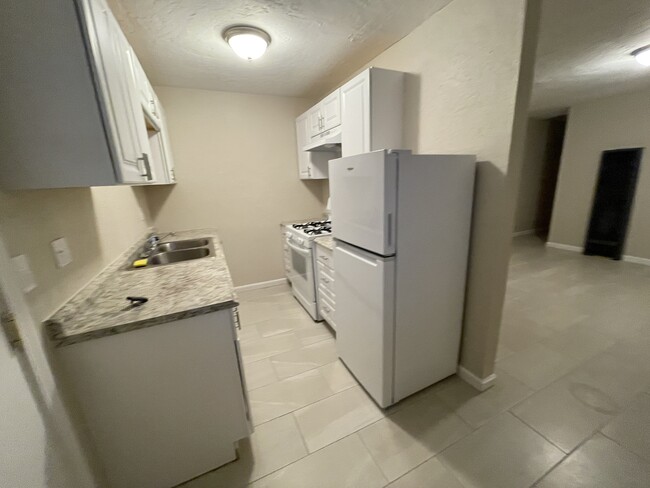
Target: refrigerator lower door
{"points": [[363, 191], [365, 318]]}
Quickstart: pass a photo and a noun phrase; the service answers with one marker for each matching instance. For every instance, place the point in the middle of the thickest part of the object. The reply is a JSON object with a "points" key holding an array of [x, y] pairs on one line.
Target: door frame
{"points": [[33, 348]]}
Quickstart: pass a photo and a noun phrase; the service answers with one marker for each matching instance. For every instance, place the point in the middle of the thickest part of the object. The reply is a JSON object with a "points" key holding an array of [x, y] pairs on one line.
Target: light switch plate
{"points": [[62, 254], [24, 273]]}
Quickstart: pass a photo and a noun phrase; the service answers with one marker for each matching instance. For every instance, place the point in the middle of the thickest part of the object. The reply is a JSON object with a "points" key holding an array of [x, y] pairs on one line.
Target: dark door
{"points": [[613, 202]]}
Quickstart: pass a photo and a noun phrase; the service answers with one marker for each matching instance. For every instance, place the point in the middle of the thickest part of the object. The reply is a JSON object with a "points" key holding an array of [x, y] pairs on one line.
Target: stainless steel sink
{"points": [[170, 257], [177, 245], [175, 252]]}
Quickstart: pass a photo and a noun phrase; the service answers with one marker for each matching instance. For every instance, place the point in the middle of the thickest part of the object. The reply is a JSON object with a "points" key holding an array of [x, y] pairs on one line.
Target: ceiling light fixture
{"points": [[247, 42], [642, 55]]}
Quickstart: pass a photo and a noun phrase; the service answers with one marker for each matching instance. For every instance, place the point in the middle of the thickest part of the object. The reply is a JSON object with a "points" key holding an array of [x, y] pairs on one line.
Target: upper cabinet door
{"points": [[302, 129], [311, 165], [169, 158], [128, 129], [326, 115], [315, 121], [331, 110], [142, 85], [355, 115], [146, 94]]}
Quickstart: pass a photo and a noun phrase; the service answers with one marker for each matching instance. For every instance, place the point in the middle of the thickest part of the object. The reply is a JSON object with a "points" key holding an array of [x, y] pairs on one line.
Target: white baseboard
{"points": [[567, 247], [636, 260], [524, 232], [481, 384], [564, 247], [262, 284]]}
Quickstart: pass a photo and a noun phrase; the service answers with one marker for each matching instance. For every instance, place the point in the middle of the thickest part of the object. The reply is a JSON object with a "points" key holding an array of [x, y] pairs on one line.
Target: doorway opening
{"points": [[540, 169], [612, 205]]}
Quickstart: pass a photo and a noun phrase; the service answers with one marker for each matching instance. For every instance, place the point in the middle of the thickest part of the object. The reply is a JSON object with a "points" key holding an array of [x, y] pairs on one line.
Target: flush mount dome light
{"points": [[642, 55], [247, 42]]}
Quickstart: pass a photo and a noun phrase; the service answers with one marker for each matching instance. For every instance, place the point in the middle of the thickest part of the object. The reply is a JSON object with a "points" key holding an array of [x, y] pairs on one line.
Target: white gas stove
{"points": [[300, 260]]}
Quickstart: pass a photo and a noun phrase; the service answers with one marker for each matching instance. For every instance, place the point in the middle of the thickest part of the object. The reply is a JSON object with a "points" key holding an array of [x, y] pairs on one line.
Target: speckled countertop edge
{"points": [[327, 242], [176, 291]]}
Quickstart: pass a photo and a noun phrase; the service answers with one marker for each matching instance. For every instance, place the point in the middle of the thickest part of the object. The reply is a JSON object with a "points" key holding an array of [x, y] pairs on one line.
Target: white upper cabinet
{"points": [[150, 111], [371, 112], [315, 121], [331, 110], [355, 139], [71, 105], [112, 51], [367, 111], [326, 115], [311, 165]]}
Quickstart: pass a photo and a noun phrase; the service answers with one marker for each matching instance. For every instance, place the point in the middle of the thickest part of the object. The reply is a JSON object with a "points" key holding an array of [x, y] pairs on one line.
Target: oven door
{"points": [[301, 270]]}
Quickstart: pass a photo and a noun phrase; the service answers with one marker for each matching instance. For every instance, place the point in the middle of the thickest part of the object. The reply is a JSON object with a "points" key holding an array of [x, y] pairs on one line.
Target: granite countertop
{"points": [[326, 242], [175, 291]]}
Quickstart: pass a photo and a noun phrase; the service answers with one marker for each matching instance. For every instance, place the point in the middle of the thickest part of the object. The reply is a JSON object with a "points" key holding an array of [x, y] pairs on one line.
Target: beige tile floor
{"points": [[570, 408]]}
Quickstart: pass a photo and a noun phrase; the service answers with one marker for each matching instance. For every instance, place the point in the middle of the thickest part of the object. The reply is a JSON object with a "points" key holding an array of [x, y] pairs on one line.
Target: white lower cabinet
{"points": [[162, 404], [325, 281]]}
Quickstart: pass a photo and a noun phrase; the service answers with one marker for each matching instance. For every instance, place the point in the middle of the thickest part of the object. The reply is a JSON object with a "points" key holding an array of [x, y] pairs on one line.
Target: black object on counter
{"points": [[137, 301]]}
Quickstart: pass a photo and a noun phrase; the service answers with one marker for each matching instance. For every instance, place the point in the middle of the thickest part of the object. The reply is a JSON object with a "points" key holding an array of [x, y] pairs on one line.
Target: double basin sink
{"points": [[179, 251]]}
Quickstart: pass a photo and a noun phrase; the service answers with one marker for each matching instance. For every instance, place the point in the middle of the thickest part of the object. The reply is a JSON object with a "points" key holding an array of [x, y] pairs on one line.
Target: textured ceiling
{"points": [[584, 51], [315, 43]]}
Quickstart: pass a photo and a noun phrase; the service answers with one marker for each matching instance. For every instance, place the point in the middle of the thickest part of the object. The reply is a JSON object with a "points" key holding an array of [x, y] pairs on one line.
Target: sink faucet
{"points": [[151, 243]]}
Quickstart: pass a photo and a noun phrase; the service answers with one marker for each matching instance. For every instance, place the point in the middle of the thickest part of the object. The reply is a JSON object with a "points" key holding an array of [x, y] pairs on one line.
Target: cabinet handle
{"points": [[236, 317], [309, 171], [147, 166]]}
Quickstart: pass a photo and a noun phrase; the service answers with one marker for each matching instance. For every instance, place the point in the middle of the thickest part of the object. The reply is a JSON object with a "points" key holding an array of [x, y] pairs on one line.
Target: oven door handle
{"points": [[299, 250]]}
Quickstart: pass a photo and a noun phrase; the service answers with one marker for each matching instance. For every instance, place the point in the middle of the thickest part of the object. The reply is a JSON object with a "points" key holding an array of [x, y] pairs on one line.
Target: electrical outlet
{"points": [[24, 273], [62, 254]]}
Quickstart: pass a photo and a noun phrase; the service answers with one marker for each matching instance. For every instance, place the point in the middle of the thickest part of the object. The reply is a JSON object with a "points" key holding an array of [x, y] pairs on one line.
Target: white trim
{"points": [[262, 284], [637, 260], [567, 247], [524, 232], [564, 247], [481, 384]]}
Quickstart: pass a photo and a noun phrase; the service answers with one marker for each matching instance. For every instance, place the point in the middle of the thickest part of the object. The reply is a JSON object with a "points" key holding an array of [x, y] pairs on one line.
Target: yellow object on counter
{"points": [[139, 263]]}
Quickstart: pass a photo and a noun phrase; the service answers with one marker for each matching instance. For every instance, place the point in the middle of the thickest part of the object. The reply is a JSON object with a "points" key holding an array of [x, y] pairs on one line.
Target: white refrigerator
{"points": [[402, 226]]}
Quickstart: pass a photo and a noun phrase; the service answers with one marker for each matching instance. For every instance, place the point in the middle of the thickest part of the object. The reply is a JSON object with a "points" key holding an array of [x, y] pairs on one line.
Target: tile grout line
{"points": [[638, 456], [302, 436], [369, 452], [537, 432], [308, 404], [310, 454], [566, 456]]}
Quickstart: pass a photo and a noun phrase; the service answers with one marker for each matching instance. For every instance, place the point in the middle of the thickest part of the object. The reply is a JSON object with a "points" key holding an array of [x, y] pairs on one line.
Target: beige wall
{"points": [[531, 175], [99, 224], [608, 123], [235, 157], [463, 67]]}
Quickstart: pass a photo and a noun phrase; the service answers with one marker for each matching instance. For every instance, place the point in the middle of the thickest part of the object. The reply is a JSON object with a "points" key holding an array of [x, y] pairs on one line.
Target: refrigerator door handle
{"points": [[389, 230]]}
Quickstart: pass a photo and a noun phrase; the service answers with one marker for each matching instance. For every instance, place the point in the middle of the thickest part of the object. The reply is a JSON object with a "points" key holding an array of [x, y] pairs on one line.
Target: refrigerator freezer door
{"points": [[363, 190], [365, 318]]}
